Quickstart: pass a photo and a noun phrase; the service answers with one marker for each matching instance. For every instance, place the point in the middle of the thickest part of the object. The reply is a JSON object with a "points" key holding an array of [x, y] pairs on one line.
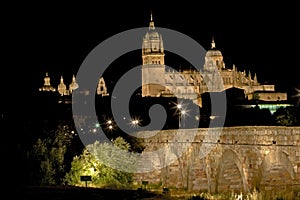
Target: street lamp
{"points": [[179, 106], [181, 113], [109, 125], [135, 122]]}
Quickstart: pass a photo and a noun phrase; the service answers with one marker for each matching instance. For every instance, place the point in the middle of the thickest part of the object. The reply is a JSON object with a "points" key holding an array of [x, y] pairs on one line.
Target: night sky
{"points": [[56, 38]]}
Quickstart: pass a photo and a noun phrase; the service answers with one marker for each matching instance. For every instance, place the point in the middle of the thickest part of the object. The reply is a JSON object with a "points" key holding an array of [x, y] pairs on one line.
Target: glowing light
{"points": [[212, 117], [110, 125], [134, 122], [92, 170], [179, 106], [181, 111], [297, 95]]}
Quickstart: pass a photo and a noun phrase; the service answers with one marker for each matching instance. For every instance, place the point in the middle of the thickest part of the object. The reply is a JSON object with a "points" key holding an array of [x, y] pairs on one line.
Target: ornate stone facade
{"points": [[190, 84]]}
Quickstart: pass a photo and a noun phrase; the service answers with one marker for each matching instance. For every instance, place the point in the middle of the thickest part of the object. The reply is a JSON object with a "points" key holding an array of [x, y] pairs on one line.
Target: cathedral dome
{"points": [[151, 34], [213, 51], [152, 41]]}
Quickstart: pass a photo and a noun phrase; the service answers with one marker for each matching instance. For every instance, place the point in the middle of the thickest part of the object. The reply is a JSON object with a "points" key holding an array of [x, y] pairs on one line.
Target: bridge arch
{"points": [[276, 171], [230, 174]]}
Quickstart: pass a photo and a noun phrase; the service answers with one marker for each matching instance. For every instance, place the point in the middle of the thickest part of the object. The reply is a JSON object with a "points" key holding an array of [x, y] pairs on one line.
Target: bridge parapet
{"points": [[227, 158]]}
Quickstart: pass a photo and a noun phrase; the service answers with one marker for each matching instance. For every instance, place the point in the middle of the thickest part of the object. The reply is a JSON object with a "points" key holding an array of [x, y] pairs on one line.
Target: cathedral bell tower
{"points": [[153, 69]]}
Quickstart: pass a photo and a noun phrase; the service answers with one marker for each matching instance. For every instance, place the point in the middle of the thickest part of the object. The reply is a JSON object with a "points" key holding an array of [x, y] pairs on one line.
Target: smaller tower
{"points": [[213, 67], [62, 88], [73, 85], [101, 88], [153, 68], [47, 86]]}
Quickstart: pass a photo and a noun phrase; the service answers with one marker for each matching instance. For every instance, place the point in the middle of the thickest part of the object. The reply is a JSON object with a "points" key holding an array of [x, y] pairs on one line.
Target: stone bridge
{"points": [[226, 159]]}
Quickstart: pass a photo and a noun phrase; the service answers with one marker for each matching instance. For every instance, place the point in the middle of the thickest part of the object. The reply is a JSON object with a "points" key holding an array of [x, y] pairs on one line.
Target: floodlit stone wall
{"points": [[224, 159]]}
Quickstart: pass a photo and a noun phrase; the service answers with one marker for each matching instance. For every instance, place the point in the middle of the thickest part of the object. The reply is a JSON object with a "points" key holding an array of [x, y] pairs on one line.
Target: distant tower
{"points": [[62, 88], [212, 68], [153, 69], [101, 88], [47, 86], [214, 58], [73, 85]]}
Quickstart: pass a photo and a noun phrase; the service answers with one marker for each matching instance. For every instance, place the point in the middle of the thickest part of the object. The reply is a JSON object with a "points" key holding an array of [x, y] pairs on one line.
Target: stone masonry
{"points": [[222, 159]]}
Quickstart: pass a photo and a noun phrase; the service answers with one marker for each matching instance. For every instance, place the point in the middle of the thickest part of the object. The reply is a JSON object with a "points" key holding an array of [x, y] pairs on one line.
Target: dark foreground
{"points": [[66, 193]]}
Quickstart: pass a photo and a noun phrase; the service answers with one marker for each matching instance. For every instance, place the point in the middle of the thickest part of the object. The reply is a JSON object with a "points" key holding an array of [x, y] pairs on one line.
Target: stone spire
{"points": [[249, 76], [255, 79], [151, 24], [73, 85], [62, 88], [213, 44]]}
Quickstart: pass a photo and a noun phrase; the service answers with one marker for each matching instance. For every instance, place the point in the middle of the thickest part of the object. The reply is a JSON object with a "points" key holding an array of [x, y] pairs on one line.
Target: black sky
{"points": [[57, 37]]}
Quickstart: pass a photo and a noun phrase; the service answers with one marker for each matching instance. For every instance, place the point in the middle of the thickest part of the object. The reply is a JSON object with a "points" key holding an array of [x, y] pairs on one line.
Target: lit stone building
{"points": [[63, 90], [47, 85], [190, 84], [101, 88], [158, 81]]}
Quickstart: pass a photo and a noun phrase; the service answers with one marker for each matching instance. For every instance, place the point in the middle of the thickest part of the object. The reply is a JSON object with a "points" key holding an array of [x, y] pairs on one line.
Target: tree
{"points": [[287, 116], [49, 153], [100, 160]]}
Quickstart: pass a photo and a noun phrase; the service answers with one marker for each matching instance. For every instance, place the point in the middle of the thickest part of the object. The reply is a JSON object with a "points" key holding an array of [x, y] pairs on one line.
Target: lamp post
{"points": [[109, 125], [135, 122], [181, 113]]}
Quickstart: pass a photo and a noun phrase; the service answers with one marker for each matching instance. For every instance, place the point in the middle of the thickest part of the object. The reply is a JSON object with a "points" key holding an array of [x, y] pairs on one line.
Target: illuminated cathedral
{"points": [[190, 84], [157, 81]]}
